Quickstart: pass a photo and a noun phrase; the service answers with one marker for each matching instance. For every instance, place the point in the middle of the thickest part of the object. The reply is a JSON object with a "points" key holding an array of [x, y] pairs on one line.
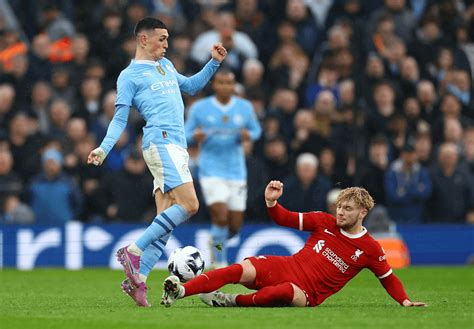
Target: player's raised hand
{"points": [[409, 303], [218, 52], [273, 191], [96, 157]]}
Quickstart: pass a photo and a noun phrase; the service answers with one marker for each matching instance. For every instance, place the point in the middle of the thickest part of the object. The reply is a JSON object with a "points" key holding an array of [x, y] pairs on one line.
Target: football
{"points": [[186, 263]]}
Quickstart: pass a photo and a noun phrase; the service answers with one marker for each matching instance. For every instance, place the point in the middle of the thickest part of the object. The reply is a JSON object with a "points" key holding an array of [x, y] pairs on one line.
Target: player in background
{"points": [[153, 86], [221, 124], [336, 251]]}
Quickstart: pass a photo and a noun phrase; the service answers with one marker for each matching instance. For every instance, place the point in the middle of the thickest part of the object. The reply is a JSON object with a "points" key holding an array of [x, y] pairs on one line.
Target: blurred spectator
{"points": [[276, 157], [55, 24], [373, 171], [468, 148], [407, 187], [238, 44], [426, 95], [53, 196], [254, 23], [428, 39], [374, 74], [424, 149], [253, 73], [306, 190], [326, 80], [288, 66], [126, 194], [10, 47], [305, 139], [331, 199], [41, 66], [40, 102], [61, 84], [106, 41], [338, 172], [59, 114], [324, 109], [450, 108], [409, 76], [257, 177], [88, 104], [412, 113], [24, 146], [452, 199], [88, 178], [171, 12], [12, 211], [80, 48], [403, 17], [7, 100], [384, 103], [308, 35], [284, 103]]}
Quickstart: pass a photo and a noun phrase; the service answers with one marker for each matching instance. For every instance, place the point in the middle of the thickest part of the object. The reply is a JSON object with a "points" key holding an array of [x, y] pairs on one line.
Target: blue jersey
{"points": [[154, 89], [222, 154]]}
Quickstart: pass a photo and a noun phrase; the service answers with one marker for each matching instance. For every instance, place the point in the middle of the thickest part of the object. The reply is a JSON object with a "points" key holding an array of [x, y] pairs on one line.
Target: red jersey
{"points": [[331, 257]]}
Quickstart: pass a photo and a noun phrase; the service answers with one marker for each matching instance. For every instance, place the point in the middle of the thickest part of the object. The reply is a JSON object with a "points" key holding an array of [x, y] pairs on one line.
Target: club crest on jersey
{"points": [[356, 255], [225, 118], [160, 70]]}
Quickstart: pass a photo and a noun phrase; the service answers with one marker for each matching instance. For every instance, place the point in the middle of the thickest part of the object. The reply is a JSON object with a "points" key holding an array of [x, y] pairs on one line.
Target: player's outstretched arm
{"points": [[395, 289], [273, 191]]}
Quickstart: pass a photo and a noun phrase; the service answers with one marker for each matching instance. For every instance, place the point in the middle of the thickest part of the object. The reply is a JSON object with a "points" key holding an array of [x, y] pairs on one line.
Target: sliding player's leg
{"points": [[274, 279], [243, 273]]}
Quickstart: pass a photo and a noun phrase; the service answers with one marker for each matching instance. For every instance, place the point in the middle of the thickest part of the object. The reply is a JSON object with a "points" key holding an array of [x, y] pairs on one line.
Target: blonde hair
{"points": [[359, 195]]}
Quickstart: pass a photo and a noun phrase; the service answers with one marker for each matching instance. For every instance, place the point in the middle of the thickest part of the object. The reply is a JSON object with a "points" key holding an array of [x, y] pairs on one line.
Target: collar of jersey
{"points": [[354, 236], [144, 61], [223, 107]]}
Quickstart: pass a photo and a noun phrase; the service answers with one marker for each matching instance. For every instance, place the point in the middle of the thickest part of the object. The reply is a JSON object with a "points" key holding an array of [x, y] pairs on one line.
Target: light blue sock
{"points": [[219, 236], [162, 225], [152, 254]]}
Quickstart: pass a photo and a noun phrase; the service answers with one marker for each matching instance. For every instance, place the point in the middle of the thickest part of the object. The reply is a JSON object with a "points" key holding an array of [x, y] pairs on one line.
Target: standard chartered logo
{"points": [[318, 246], [331, 256]]}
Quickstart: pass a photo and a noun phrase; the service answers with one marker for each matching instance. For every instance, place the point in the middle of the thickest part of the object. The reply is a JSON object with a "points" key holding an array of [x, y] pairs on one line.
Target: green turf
{"points": [[91, 299]]}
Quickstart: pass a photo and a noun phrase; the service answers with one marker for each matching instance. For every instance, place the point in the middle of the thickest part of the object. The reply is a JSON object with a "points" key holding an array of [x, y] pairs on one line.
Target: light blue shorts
{"points": [[168, 163]]}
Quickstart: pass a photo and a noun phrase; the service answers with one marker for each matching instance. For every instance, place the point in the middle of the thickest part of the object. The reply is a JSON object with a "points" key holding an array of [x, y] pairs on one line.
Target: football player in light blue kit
{"points": [[151, 84], [221, 124]]}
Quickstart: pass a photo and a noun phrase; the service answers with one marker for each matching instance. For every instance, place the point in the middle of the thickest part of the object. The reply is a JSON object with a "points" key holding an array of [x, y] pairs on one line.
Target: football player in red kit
{"points": [[336, 251]]}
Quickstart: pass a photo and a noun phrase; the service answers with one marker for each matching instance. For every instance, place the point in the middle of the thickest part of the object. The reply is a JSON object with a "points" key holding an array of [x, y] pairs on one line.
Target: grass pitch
{"points": [[53, 298]]}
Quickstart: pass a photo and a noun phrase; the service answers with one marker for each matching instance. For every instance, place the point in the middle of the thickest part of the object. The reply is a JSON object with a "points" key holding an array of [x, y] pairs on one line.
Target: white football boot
{"points": [[172, 291], [218, 299]]}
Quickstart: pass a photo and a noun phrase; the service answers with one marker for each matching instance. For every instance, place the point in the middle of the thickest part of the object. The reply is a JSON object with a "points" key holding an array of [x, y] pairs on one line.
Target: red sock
{"points": [[279, 295], [213, 280]]}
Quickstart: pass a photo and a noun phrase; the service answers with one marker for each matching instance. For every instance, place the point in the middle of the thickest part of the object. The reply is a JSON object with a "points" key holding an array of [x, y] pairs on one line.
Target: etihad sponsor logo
{"points": [[318, 246], [159, 85], [335, 260], [356, 255]]}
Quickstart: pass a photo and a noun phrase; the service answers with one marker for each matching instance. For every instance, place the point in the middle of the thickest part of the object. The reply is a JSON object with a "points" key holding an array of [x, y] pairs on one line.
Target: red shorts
{"points": [[273, 270]]}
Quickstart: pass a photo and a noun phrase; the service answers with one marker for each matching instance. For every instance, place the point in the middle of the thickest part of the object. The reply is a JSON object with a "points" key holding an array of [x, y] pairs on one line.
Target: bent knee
{"points": [[299, 297], [191, 206]]}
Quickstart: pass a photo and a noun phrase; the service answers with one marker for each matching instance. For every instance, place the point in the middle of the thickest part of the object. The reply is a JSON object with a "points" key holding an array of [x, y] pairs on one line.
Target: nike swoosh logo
{"points": [[329, 232]]}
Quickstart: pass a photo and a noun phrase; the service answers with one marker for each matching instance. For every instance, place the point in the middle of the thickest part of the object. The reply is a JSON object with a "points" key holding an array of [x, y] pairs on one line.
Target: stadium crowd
{"points": [[348, 92]]}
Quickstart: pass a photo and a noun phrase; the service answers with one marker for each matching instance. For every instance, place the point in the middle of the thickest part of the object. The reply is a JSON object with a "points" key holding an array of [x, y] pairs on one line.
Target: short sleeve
{"points": [[378, 262]]}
